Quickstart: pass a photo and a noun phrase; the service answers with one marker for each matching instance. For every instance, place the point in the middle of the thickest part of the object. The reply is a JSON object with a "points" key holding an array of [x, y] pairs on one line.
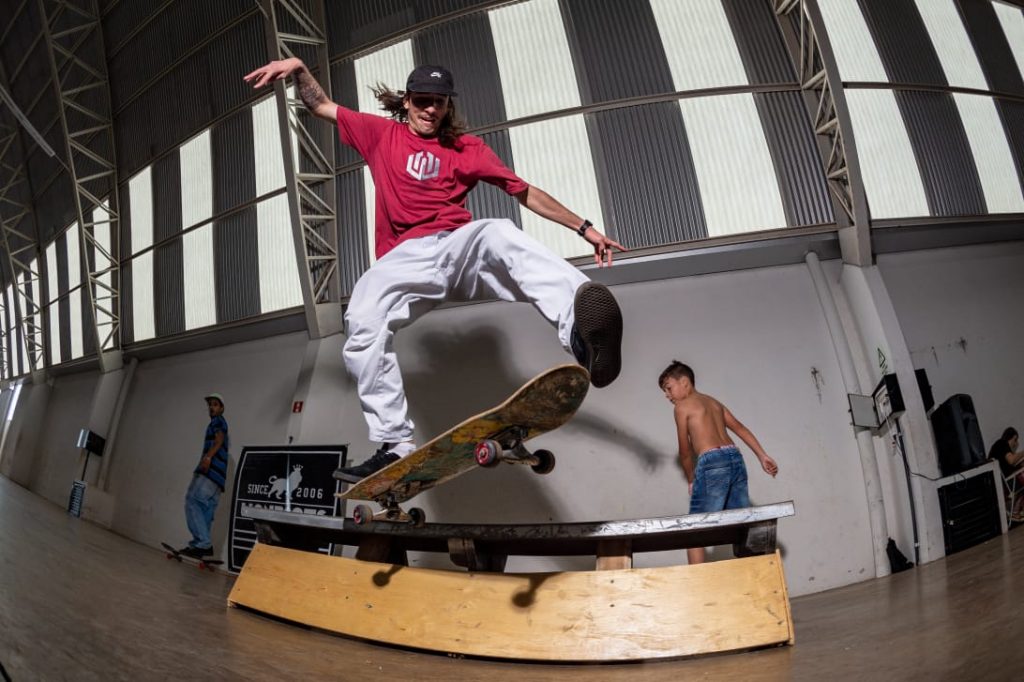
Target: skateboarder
{"points": [[719, 479], [207, 480], [430, 250]]}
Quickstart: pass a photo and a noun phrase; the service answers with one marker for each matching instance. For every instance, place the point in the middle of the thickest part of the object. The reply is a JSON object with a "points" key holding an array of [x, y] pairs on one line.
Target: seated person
{"points": [[1005, 451]]}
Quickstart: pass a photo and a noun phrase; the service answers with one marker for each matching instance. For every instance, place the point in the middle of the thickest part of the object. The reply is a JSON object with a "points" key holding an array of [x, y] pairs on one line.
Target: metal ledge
{"points": [[729, 527], [752, 252], [911, 235]]}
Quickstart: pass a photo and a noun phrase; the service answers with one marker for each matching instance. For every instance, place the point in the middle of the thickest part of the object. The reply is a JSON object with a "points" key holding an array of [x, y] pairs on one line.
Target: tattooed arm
{"points": [[310, 92]]}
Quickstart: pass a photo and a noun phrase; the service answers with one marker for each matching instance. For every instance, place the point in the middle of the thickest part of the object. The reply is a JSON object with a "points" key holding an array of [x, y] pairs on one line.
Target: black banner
{"points": [[294, 478]]}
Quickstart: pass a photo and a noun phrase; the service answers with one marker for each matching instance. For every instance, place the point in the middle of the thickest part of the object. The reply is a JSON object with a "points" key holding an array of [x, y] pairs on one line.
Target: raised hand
{"points": [[274, 71]]}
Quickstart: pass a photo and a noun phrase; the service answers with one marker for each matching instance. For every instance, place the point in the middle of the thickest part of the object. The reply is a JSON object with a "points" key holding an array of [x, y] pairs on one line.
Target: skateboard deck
{"points": [[207, 564], [544, 403]]}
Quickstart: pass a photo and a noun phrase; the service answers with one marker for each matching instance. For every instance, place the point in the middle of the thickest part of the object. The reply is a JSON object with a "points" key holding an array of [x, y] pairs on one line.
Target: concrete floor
{"points": [[80, 603]]}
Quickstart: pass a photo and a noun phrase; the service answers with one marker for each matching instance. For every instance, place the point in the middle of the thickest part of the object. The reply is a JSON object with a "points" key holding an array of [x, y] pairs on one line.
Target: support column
{"points": [[865, 445], [885, 351], [107, 400], [308, 154]]}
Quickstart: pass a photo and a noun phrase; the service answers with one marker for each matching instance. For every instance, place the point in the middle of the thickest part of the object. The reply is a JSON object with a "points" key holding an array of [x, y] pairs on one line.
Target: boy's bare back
{"points": [[705, 422], [702, 422]]}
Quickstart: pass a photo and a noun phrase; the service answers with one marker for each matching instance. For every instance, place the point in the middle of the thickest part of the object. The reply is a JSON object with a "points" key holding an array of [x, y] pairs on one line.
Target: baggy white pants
{"points": [[485, 259]]}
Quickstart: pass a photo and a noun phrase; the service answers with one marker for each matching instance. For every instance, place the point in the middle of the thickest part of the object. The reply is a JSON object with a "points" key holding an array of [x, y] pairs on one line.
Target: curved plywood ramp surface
{"points": [[620, 615]]}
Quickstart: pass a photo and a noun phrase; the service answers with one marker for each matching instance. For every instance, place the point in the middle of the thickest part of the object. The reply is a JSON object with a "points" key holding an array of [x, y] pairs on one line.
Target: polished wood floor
{"points": [[80, 603]]}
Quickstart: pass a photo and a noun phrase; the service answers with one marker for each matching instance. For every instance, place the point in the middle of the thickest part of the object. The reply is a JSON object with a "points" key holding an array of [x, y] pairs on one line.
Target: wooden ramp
{"points": [[610, 615]]}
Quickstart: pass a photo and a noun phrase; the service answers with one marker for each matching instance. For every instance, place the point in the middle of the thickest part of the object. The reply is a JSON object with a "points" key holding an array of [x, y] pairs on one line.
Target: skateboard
{"points": [[497, 435], [201, 564]]}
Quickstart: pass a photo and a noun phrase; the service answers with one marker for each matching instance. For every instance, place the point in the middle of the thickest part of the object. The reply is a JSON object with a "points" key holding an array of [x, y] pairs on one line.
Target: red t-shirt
{"points": [[421, 187]]}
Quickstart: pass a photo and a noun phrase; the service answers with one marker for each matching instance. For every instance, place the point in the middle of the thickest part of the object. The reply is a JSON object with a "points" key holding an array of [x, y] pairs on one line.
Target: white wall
{"points": [[58, 461], [755, 340], [19, 444], [161, 434], [960, 310]]}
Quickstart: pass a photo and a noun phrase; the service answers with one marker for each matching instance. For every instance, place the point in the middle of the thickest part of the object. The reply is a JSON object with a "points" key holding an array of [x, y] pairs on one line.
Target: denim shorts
{"points": [[720, 481]]}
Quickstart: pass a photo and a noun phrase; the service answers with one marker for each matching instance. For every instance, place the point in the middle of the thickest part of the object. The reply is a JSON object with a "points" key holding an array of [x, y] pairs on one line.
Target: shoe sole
{"points": [[347, 478], [599, 323]]}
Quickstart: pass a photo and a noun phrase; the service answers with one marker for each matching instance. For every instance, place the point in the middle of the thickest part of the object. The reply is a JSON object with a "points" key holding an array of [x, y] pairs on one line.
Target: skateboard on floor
{"points": [[201, 564], [544, 403]]}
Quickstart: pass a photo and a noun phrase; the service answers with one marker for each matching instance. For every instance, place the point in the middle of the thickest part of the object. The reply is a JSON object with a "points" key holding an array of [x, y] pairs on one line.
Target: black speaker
{"points": [[957, 435], [926, 389], [970, 511]]}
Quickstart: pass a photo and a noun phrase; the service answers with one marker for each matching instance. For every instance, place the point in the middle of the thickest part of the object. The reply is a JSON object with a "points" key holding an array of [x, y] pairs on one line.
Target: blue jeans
{"points": [[720, 481], [200, 504]]}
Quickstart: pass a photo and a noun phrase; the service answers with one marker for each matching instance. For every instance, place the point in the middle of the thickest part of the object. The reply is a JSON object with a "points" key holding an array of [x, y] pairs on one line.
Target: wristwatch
{"points": [[582, 229]]}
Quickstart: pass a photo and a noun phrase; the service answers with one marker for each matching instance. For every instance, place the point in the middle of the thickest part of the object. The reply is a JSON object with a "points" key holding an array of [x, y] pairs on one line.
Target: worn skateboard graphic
{"points": [[201, 564], [544, 403]]}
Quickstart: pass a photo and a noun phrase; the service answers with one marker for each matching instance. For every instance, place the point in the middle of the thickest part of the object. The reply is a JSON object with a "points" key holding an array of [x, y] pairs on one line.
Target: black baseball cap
{"points": [[428, 78]]}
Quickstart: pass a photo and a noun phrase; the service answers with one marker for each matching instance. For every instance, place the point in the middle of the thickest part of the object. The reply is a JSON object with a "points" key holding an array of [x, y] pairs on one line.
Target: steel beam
{"points": [[308, 153], [19, 239], [820, 80], [74, 39]]}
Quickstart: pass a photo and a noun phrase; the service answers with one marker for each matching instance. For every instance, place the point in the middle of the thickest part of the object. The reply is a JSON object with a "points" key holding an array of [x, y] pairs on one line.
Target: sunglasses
{"points": [[427, 101]]}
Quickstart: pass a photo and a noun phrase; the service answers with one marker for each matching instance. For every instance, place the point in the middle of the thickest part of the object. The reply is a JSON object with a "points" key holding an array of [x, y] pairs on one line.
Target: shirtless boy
{"points": [[718, 480]]}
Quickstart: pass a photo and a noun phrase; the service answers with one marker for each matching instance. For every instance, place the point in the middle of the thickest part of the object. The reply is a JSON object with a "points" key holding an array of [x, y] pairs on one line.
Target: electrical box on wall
{"points": [[92, 443], [888, 399]]}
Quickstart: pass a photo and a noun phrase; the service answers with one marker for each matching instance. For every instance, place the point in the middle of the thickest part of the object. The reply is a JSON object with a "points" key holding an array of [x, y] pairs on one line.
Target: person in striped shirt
{"points": [[207, 480]]}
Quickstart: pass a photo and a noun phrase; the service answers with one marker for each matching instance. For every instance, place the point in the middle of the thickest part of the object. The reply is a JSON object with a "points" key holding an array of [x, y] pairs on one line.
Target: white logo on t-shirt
{"points": [[423, 165]]}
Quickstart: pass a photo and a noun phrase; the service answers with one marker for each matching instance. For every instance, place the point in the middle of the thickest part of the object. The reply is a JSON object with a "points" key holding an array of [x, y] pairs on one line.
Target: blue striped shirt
{"points": [[218, 470]]}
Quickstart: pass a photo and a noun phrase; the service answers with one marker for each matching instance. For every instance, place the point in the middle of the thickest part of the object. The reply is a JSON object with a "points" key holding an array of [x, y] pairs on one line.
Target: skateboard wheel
{"points": [[545, 463], [417, 517], [362, 514], [487, 453]]}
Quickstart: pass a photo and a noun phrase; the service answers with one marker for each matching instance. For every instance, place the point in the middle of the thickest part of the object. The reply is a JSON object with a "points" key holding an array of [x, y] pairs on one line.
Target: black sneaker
{"points": [[197, 552], [596, 338], [378, 461]]}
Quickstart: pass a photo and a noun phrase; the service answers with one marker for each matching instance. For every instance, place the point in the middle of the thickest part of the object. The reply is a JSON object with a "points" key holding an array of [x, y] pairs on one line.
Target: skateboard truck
{"points": [[363, 513], [507, 446]]}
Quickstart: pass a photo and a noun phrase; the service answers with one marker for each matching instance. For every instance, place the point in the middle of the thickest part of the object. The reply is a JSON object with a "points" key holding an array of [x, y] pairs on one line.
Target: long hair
{"points": [[452, 125]]}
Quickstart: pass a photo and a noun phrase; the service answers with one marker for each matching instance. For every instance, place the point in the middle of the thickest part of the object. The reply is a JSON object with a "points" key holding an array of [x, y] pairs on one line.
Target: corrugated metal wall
{"points": [[487, 200], [125, 237], [791, 142], [184, 100], [991, 46], [353, 247], [943, 153], [617, 50], [759, 41], [652, 196], [237, 261], [235, 247], [168, 283], [466, 48], [903, 42], [1012, 114], [63, 309], [356, 24]]}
